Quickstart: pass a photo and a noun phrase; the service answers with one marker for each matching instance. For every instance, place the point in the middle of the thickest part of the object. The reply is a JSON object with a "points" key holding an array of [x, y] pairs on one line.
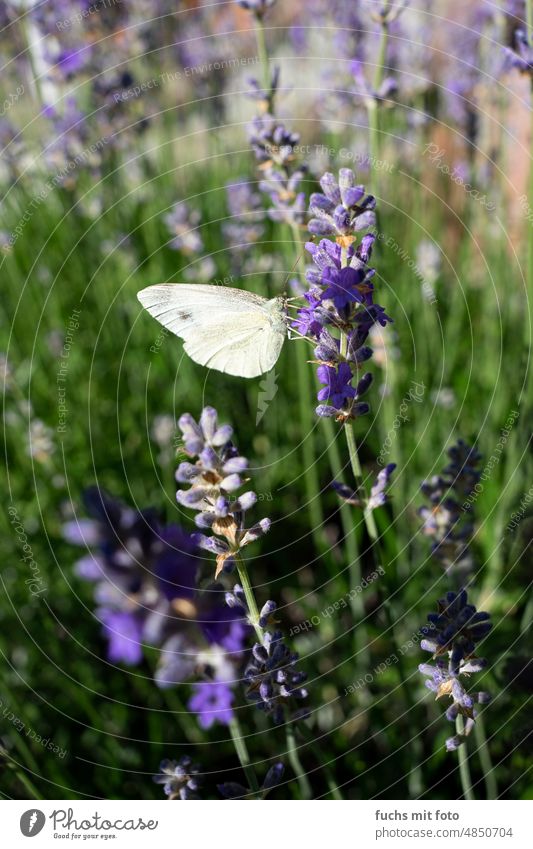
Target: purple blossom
{"points": [[447, 684], [274, 681], [123, 632], [343, 208], [455, 629], [449, 517], [183, 224], [179, 778], [214, 477], [212, 701], [342, 286], [337, 389], [378, 493]]}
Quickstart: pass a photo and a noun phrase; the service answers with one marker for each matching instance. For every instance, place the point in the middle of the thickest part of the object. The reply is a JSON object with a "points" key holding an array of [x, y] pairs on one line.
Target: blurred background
{"points": [[126, 161]]}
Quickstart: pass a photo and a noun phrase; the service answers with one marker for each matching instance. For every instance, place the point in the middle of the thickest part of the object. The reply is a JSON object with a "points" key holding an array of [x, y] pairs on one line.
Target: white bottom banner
{"points": [[383, 824]]}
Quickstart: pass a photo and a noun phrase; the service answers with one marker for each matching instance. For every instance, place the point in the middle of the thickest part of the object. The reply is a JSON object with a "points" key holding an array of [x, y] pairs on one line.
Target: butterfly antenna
{"points": [[291, 272]]}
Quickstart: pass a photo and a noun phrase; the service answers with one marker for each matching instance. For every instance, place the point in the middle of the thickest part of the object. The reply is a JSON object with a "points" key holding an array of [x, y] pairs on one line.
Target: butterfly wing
{"points": [[230, 330]]}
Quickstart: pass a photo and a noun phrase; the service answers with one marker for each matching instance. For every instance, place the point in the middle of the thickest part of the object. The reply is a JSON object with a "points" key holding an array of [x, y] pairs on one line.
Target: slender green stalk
{"points": [[262, 53], [294, 760], [464, 768], [30, 787], [23, 22], [311, 480], [370, 524], [362, 653], [334, 789], [21, 775], [242, 753], [527, 617], [489, 774], [372, 105], [292, 749], [253, 611]]}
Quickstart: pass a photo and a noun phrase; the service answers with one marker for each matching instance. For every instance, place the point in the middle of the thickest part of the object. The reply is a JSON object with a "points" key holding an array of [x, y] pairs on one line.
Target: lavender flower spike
{"points": [[214, 478], [179, 779], [452, 637]]}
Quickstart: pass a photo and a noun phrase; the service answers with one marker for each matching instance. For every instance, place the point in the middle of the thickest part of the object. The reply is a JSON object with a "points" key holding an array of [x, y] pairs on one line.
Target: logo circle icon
{"points": [[32, 822]]}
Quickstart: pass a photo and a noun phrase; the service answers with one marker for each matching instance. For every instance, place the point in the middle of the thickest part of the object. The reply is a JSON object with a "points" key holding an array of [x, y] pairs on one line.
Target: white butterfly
{"points": [[229, 330]]}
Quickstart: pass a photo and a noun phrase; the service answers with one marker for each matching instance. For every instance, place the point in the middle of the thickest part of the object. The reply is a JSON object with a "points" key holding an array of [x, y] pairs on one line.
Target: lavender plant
{"points": [[272, 678], [273, 681], [455, 630]]}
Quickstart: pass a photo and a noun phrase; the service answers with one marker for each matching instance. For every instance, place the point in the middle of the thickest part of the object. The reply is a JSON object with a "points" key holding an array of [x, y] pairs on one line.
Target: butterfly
{"points": [[230, 330]]}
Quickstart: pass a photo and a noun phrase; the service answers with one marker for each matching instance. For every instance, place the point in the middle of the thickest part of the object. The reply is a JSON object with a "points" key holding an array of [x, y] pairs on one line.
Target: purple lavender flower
{"points": [[378, 493], [123, 631], [341, 310], [215, 477], [182, 223], [449, 517], [342, 287], [273, 679], [446, 684], [180, 778], [342, 209], [455, 629], [212, 702], [337, 388], [264, 98], [246, 223], [274, 682], [274, 147]]}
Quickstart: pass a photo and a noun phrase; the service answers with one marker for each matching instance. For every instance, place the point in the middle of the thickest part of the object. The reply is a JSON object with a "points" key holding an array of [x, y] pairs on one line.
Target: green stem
{"points": [[489, 774], [362, 653], [30, 787], [416, 782], [527, 617], [253, 610], [372, 105], [236, 734], [242, 754], [21, 775], [262, 53], [36, 83], [464, 768], [294, 760]]}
